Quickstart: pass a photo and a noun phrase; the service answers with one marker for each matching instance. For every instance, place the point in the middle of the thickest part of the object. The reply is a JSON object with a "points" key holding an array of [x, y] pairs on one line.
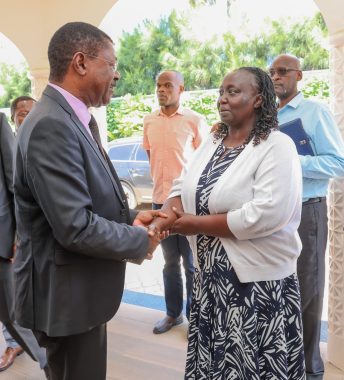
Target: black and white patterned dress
{"points": [[246, 331]]}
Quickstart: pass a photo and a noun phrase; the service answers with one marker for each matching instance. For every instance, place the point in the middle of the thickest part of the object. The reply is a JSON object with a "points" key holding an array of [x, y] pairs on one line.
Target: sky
{"points": [[207, 20], [246, 17]]}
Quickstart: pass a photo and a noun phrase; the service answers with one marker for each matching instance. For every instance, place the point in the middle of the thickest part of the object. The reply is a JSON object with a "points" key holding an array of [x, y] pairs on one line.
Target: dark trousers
{"points": [[174, 248], [311, 272], [74, 357], [24, 337]]}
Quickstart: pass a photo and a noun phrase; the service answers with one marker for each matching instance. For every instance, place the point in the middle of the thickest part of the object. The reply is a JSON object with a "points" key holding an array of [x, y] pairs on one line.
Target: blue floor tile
{"points": [[152, 301]]}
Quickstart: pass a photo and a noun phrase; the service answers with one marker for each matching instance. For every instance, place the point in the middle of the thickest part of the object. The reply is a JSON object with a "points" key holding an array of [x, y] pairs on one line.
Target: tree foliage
{"points": [[14, 83], [152, 48], [198, 3]]}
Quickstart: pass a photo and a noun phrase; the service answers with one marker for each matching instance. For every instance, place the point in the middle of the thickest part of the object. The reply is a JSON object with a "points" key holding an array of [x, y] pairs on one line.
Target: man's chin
{"points": [[105, 100], [281, 94]]}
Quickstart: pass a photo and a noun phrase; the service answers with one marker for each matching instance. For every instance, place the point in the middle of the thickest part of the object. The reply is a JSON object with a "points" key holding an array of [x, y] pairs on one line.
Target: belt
{"points": [[313, 200]]}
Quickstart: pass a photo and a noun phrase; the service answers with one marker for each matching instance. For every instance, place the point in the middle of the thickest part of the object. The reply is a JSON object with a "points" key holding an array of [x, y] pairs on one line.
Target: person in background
{"points": [[170, 136], [327, 162], [20, 108], [75, 229], [17, 338], [239, 202]]}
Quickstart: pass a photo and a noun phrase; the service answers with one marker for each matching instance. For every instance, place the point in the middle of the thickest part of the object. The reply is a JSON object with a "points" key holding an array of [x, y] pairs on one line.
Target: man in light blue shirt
{"points": [[327, 162]]}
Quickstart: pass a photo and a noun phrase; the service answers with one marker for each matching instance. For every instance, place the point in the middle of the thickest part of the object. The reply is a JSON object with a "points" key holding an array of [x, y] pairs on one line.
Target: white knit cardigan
{"points": [[261, 194]]}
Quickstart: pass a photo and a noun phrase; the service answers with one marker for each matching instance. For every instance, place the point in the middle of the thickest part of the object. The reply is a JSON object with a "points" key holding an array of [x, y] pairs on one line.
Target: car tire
{"points": [[129, 193]]}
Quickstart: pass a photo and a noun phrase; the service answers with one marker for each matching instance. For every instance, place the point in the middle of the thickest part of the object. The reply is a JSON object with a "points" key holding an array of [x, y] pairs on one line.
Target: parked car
{"points": [[132, 166]]}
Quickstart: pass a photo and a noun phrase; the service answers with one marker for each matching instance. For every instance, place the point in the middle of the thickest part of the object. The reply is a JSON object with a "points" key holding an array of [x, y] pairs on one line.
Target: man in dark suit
{"points": [[75, 229], [18, 338]]}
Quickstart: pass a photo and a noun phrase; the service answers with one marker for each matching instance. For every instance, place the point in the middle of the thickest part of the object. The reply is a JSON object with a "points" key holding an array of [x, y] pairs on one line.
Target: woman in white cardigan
{"points": [[239, 203]]}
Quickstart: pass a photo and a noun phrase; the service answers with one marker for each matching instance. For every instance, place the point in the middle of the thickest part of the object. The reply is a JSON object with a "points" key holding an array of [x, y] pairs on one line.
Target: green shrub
{"points": [[317, 88], [203, 102], [125, 115]]}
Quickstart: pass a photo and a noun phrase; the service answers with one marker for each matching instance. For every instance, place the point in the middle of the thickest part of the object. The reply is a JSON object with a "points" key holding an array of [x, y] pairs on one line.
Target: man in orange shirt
{"points": [[170, 135]]}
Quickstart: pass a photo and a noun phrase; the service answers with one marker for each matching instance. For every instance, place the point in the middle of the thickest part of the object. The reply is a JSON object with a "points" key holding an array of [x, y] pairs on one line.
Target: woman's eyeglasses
{"points": [[280, 71]]}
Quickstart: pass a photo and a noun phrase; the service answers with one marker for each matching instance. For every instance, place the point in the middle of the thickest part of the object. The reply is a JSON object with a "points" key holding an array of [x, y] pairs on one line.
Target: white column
{"points": [[335, 348], [39, 79]]}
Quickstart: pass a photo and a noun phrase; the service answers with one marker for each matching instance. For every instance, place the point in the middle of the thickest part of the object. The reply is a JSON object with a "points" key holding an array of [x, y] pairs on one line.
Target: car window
{"points": [[141, 154], [121, 152]]}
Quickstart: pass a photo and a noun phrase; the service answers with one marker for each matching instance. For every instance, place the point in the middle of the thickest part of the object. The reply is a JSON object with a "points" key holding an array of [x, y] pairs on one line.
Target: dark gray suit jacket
{"points": [[7, 220], [72, 225]]}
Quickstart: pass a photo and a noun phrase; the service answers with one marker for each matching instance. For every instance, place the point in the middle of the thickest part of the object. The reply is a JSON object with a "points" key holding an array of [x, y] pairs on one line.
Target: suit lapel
{"points": [[52, 93]]}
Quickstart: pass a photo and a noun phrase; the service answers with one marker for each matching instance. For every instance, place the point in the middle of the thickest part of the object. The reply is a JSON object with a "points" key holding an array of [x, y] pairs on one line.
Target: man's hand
{"points": [[186, 224], [154, 241], [145, 218], [161, 226]]}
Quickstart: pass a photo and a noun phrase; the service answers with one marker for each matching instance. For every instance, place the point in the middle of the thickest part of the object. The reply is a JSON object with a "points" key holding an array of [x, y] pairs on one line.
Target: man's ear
{"points": [[181, 88], [299, 75], [79, 63], [258, 102]]}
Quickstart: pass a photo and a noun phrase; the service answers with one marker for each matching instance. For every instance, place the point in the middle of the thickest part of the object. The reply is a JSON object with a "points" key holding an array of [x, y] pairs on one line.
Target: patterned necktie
{"points": [[96, 135]]}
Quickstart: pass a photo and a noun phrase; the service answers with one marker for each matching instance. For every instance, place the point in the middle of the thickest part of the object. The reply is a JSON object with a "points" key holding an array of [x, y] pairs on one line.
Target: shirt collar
{"points": [[78, 106], [295, 102], [180, 111]]}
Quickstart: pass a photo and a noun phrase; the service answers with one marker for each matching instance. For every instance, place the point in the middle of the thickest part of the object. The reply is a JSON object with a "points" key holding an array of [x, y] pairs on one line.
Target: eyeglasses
{"points": [[113, 65], [281, 71]]}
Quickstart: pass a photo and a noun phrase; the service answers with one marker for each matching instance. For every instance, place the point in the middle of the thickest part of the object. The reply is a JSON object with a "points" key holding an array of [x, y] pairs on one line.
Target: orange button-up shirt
{"points": [[171, 140]]}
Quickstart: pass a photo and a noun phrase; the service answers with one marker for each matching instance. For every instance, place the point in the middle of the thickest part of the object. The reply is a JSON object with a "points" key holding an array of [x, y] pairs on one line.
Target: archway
{"points": [[30, 28]]}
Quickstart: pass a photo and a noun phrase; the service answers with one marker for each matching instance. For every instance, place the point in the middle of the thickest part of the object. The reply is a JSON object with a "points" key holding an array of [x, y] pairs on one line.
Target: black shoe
{"points": [[167, 323]]}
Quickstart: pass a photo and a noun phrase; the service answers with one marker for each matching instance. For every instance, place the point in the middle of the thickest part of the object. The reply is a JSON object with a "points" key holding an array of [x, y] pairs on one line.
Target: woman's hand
{"points": [[145, 218], [161, 227], [186, 224]]}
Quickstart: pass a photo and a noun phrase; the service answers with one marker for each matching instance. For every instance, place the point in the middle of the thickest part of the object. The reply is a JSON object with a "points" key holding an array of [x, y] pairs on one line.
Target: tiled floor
{"points": [[134, 352], [147, 278]]}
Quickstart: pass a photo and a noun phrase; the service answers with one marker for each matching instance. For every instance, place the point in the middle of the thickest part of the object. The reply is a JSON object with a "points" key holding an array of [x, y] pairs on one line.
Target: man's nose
{"points": [[222, 99], [274, 75], [117, 75]]}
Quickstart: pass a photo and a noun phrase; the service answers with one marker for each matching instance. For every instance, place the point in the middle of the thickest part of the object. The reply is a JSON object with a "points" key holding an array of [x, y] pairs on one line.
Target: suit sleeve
{"points": [[7, 145], [58, 179], [7, 219]]}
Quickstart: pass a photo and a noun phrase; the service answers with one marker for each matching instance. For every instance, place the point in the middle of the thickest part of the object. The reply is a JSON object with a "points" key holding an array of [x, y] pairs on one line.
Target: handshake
{"points": [[160, 224], [155, 233]]}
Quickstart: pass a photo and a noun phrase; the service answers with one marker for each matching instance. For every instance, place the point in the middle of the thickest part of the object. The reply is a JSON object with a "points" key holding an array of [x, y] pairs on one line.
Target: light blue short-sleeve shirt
{"points": [[326, 141]]}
